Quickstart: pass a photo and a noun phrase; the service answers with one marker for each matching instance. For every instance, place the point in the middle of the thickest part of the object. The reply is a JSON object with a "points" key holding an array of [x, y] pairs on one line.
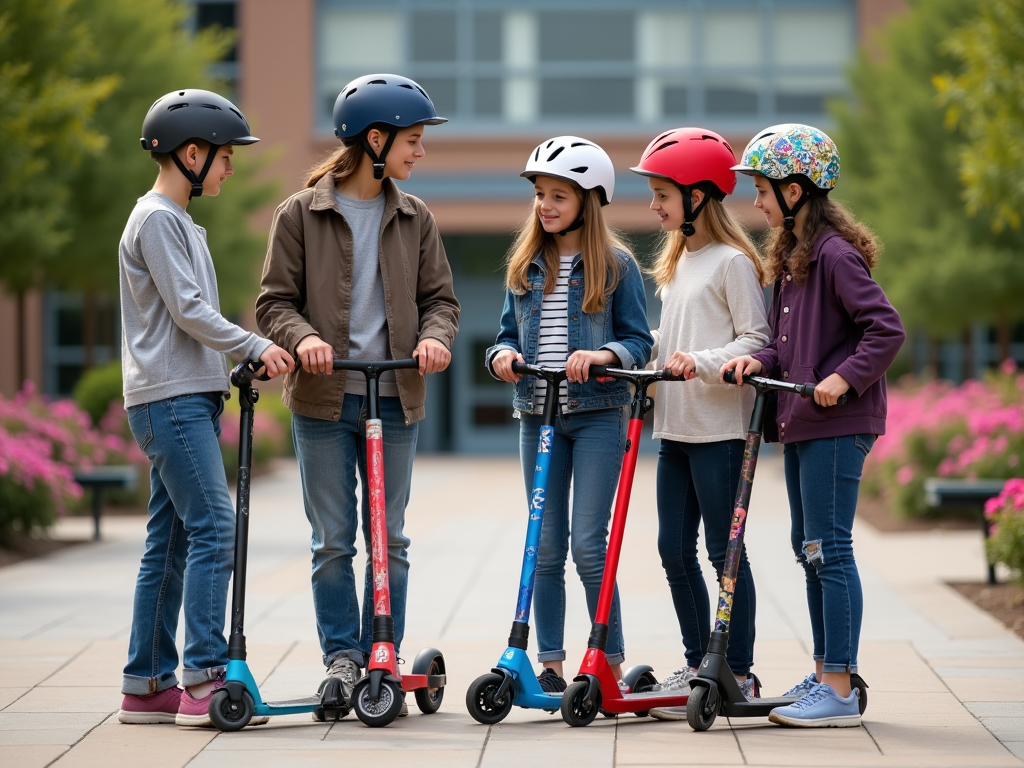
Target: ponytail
{"points": [[342, 163]]}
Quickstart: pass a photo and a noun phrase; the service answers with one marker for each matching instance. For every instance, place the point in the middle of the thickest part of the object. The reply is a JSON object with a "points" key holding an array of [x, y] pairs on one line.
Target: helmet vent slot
{"points": [[176, 106], [240, 115], [581, 144], [351, 92], [555, 154], [536, 155], [703, 137], [580, 169], [405, 85], [209, 106], [666, 133], [423, 92], [666, 145], [378, 82]]}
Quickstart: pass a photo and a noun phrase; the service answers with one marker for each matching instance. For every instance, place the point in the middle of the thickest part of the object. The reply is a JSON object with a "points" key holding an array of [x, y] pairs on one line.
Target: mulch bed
{"points": [[875, 511], [1004, 602], [20, 547]]}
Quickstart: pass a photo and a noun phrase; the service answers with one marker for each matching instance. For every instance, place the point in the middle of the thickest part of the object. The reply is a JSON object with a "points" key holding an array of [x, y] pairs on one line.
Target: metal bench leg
{"points": [[97, 510]]}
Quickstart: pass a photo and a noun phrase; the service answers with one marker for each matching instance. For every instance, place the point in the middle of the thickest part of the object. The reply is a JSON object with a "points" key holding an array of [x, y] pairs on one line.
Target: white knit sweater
{"points": [[713, 309]]}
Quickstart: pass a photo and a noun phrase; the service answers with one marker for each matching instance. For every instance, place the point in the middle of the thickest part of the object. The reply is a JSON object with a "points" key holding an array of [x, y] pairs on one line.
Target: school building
{"points": [[508, 74]]}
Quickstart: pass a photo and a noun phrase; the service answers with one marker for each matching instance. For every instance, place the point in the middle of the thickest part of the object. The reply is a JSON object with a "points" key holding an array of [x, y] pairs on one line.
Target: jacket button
{"points": [[575, 318], [783, 339], [789, 277], [782, 433], [786, 310], [785, 374], [783, 425], [574, 404]]}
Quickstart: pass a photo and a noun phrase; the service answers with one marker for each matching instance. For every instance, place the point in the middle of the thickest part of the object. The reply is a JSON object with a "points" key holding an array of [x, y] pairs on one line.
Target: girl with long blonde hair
{"points": [[574, 298], [709, 279]]}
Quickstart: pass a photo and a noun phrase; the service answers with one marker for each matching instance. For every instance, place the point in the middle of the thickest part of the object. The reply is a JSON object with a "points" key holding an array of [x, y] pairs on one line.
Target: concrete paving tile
{"points": [[958, 661], [1015, 747], [98, 665], [1006, 673], [883, 703], [336, 756], [28, 672], [949, 743], [36, 756], [69, 699], [771, 745], [593, 753], [1005, 728], [43, 721], [8, 695], [996, 708], [985, 689], [114, 744], [673, 743], [40, 649]]}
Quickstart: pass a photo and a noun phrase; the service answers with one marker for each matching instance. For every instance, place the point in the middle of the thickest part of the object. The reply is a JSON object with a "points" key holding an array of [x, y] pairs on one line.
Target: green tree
{"points": [[987, 100], [942, 269], [154, 55]]}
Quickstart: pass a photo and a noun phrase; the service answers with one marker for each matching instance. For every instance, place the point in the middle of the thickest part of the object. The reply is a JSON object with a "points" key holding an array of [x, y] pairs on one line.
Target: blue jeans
{"points": [[823, 479], [190, 542], [697, 481], [586, 452], [330, 453]]}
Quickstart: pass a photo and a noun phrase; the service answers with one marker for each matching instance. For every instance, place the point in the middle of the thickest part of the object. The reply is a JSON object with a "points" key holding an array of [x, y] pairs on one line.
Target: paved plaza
{"points": [[946, 680]]}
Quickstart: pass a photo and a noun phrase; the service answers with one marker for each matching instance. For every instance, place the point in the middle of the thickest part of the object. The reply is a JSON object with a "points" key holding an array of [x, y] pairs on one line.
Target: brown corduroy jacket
{"points": [[307, 286]]}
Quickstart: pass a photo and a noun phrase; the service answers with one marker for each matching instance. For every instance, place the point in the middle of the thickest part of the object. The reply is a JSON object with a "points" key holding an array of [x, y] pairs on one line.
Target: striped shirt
{"points": [[553, 340]]}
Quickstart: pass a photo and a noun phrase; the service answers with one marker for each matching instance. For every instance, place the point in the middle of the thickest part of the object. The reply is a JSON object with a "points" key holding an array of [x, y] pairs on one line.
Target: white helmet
{"points": [[574, 159]]}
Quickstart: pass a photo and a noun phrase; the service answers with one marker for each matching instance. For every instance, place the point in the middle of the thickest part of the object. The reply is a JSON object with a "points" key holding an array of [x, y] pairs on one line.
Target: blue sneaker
{"points": [[802, 688], [822, 707]]}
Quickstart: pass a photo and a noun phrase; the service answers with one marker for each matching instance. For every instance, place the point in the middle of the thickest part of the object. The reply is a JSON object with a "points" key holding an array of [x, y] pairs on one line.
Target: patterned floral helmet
{"points": [[792, 149]]}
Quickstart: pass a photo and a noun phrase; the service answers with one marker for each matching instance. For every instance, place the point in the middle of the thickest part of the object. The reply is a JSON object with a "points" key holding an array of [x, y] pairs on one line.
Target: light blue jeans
{"points": [[823, 480], [329, 453], [586, 453], [190, 541]]}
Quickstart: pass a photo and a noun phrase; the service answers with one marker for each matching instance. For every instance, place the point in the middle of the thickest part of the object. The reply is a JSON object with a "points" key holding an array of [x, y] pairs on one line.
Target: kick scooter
{"points": [[234, 705], [512, 681], [595, 687], [378, 696], [715, 691]]}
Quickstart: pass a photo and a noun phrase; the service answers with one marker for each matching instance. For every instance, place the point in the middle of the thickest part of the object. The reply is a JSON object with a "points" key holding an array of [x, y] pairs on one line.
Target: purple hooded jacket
{"points": [[838, 321]]}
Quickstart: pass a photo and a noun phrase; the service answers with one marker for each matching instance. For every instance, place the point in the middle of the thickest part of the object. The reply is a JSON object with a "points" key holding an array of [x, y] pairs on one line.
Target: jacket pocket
{"points": [[141, 425]]}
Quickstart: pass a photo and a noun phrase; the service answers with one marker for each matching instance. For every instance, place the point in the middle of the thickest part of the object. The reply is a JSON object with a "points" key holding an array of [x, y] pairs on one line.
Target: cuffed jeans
{"points": [[823, 479], [189, 545], [697, 481], [329, 453], [586, 452]]}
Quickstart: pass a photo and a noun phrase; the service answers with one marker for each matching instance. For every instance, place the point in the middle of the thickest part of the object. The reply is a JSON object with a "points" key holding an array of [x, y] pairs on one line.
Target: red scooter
{"points": [[377, 697], [595, 688]]}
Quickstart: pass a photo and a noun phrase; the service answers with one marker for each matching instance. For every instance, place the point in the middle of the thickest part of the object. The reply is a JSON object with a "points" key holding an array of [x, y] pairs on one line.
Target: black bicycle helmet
{"points": [[391, 101], [193, 114]]}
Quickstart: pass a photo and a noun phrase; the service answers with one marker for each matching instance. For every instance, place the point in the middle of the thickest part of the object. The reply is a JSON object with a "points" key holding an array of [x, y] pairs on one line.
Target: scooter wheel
{"points": [[382, 711], [862, 688], [429, 699], [644, 682], [702, 708], [229, 716], [481, 703], [575, 709]]}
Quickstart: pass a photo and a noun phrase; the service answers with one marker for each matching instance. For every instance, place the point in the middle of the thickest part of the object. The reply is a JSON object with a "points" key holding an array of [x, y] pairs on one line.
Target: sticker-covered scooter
{"points": [[595, 688], [715, 691], [512, 681]]}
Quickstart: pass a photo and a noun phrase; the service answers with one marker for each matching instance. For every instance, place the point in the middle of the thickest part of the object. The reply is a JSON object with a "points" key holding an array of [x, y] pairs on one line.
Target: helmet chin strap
{"points": [[690, 213], [788, 214], [577, 223], [196, 181], [378, 160]]}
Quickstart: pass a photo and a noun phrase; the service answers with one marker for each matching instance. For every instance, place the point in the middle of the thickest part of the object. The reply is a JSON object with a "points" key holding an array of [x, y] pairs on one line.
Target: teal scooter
{"points": [[234, 705]]}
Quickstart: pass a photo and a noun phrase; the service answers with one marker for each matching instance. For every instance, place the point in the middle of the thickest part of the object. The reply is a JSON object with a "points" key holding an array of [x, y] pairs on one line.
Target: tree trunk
{"points": [[932, 366], [88, 328], [22, 353], [1003, 337], [967, 367]]}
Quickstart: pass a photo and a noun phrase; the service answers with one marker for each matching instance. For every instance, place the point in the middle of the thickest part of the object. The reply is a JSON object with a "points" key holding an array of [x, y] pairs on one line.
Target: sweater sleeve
{"points": [[164, 248], [868, 308], [749, 320]]}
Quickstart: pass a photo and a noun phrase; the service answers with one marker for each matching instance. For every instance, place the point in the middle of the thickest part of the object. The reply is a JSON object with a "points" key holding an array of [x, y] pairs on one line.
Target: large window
{"points": [[500, 63]]}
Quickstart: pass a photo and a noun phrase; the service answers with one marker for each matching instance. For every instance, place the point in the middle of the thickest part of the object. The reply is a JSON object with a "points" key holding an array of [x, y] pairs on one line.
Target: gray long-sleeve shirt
{"points": [[173, 337]]}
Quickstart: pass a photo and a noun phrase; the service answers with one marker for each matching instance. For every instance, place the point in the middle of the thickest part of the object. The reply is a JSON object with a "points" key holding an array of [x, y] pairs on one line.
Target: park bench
{"points": [[99, 479], [949, 492]]}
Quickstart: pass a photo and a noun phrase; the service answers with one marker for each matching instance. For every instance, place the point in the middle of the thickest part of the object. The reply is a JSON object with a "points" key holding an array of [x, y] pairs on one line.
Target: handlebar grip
{"points": [[730, 376], [667, 375]]}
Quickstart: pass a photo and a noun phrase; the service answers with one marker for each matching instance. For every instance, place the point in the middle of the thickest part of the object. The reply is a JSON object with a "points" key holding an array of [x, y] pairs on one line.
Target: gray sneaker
{"points": [[405, 708], [802, 688], [336, 690], [677, 682], [749, 688]]}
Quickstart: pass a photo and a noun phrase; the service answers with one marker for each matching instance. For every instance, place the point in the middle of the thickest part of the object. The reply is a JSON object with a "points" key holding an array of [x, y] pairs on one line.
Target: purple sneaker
{"points": [[160, 707], [195, 712]]}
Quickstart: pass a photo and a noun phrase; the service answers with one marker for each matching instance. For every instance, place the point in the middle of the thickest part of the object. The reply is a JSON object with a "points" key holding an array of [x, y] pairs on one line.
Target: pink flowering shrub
{"points": [[1005, 514], [937, 429], [271, 435], [41, 442]]}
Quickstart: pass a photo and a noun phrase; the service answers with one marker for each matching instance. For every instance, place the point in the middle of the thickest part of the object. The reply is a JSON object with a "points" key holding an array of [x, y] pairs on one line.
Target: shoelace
{"points": [[682, 674], [816, 694]]}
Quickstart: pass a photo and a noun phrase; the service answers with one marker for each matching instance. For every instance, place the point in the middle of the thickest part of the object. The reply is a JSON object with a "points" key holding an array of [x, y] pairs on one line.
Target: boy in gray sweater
{"points": [[173, 344]]}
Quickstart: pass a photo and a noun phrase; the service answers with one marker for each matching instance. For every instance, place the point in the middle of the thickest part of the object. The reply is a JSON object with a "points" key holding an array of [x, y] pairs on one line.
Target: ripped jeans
{"points": [[823, 479]]}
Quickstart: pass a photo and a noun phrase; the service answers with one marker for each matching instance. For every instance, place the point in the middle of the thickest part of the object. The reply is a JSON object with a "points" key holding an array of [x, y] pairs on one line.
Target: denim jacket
{"points": [[621, 327]]}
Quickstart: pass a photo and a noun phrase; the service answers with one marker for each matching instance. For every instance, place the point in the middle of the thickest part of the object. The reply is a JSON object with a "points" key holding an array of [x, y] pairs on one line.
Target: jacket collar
{"points": [[826, 234], [324, 199]]}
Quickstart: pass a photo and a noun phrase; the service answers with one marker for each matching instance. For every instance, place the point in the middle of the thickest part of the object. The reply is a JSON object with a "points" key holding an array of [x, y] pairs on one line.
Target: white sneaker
{"points": [[677, 682]]}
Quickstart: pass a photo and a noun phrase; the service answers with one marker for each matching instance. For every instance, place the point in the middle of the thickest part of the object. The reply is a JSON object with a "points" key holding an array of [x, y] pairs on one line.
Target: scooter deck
{"points": [[638, 702], [755, 708], [306, 701]]}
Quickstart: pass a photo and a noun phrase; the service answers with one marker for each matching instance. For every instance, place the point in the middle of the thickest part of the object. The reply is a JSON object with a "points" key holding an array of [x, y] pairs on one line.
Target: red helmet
{"points": [[689, 156]]}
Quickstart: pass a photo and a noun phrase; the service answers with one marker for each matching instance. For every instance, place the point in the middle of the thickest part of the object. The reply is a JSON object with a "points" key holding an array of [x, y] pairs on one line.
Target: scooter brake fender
{"points": [[593, 687], [376, 677], [235, 689], [506, 682]]}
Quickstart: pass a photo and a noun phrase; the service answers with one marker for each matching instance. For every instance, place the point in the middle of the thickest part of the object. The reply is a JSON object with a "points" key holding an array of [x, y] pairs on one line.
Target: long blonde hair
{"points": [[342, 163], [822, 213], [598, 243], [720, 226]]}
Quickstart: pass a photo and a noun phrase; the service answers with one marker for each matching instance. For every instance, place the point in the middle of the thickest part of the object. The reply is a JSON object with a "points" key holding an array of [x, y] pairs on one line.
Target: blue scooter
{"points": [[234, 705], [512, 681]]}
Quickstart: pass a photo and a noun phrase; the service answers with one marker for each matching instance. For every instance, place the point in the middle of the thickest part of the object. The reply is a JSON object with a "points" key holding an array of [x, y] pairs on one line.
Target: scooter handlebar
{"points": [[804, 390], [661, 374], [369, 366], [246, 373], [548, 374]]}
